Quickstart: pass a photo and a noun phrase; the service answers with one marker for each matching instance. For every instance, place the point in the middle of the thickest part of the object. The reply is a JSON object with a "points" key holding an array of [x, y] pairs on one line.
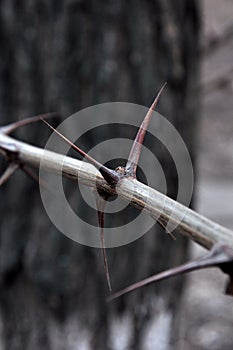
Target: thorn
{"points": [[8, 129], [217, 256], [100, 204], [134, 155], [109, 175], [10, 170]]}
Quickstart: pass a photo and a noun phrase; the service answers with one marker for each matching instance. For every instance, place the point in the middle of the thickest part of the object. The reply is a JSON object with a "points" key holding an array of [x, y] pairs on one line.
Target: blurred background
{"points": [[67, 55], [208, 315]]}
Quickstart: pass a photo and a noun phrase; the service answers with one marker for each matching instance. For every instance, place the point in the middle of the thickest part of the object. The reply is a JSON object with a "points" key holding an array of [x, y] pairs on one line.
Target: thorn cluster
{"points": [[113, 176]]}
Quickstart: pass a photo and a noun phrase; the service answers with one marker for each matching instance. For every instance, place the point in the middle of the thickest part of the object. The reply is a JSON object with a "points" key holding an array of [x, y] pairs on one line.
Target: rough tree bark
{"points": [[64, 56]]}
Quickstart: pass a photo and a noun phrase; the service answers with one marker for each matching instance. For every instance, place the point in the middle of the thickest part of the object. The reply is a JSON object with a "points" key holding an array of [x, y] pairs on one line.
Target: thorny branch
{"points": [[123, 182], [113, 176]]}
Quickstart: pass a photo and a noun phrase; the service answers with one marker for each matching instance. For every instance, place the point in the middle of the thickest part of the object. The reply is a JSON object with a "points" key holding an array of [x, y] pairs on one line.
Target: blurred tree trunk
{"points": [[63, 56]]}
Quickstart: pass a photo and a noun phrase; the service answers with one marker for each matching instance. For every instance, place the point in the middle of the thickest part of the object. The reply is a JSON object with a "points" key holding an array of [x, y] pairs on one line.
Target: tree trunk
{"points": [[63, 56]]}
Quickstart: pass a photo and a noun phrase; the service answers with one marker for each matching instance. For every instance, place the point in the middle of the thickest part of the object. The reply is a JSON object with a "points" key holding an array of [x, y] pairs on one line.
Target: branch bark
{"points": [[188, 222]]}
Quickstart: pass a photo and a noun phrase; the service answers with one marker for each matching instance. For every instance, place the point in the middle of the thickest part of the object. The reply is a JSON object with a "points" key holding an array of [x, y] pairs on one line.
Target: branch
{"points": [[123, 182], [193, 225]]}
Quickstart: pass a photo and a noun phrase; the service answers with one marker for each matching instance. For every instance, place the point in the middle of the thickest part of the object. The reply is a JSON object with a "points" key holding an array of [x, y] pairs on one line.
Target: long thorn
{"points": [[134, 155], [11, 127], [10, 170], [100, 204], [109, 175], [217, 256]]}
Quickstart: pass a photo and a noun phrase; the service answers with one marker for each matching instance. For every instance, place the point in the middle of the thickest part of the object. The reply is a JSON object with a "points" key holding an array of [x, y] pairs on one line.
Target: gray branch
{"points": [[168, 212]]}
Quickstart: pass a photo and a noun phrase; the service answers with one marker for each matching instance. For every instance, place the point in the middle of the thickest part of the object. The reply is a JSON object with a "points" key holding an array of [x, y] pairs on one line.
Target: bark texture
{"points": [[64, 56]]}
